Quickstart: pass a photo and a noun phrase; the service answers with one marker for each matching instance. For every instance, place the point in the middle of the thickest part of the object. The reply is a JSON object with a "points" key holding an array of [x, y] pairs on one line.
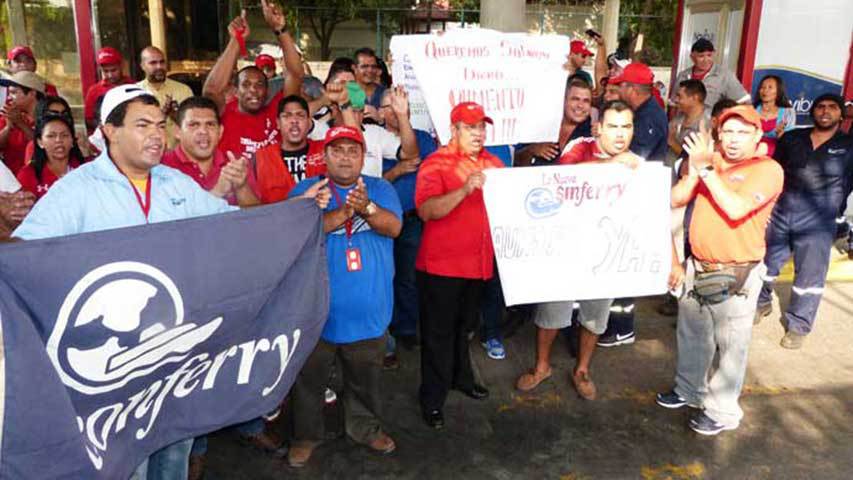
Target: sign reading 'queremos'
{"points": [[580, 232], [518, 78], [119, 343]]}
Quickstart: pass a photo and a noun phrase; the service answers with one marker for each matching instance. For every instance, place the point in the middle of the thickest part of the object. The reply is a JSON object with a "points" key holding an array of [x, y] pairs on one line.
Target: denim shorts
{"points": [[593, 314]]}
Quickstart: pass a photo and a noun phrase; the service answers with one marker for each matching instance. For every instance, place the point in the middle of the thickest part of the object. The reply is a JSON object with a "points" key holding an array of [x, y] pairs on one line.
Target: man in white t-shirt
{"points": [[380, 143]]}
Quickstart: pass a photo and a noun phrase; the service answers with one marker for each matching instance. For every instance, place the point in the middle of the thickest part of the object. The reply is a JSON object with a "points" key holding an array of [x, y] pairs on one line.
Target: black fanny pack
{"points": [[716, 285]]}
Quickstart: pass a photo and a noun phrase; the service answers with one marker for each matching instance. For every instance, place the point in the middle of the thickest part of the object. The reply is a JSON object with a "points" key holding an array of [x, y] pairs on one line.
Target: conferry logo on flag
{"points": [[132, 315]]}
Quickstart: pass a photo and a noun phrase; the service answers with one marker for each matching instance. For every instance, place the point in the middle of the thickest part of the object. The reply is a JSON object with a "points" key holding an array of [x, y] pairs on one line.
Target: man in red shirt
{"points": [[196, 154], [615, 130], [25, 88], [109, 63], [250, 121], [456, 257], [21, 59]]}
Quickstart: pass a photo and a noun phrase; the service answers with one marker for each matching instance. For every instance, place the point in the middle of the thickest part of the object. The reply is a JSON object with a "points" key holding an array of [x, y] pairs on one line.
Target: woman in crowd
{"points": [[777, 116], [55, 154]]}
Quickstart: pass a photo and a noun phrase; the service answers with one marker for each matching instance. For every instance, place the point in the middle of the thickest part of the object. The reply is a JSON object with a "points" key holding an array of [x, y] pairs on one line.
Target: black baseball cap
{"points": [[827, 96], [702, 45]]}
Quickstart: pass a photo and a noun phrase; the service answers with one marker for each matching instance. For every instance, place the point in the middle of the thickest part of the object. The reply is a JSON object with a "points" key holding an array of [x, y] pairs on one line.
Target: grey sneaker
{"points": [[763, 310], [792, 340]]}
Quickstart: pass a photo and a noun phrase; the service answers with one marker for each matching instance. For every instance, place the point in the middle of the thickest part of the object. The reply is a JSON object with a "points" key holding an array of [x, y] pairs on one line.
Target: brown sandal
{"points": [[300, 452], [383, 444], [532, 379]]}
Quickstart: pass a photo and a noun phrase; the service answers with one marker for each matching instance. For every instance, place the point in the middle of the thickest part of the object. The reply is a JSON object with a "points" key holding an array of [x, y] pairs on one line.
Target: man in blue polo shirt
{"points": [[651, 129], [360, 222]]}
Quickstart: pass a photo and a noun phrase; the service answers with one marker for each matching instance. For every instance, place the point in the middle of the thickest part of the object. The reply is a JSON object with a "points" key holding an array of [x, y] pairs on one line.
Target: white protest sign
{"points": [[518, 78], [404, 75], [580, 232]]}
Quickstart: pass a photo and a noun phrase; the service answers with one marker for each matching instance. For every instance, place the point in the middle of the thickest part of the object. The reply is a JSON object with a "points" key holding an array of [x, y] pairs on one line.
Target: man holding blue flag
{"points": [[361, 221], [123, 187]]}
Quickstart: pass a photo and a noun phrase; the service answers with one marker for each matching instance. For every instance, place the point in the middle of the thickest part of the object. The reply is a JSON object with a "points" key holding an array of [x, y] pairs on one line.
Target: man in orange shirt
{"points": [[455, 258], [734, 191]]}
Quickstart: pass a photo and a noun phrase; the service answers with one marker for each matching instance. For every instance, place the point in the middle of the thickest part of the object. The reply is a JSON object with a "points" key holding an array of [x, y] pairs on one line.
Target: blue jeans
{"points": [[405, 319], [247, 429], [168, 463]]}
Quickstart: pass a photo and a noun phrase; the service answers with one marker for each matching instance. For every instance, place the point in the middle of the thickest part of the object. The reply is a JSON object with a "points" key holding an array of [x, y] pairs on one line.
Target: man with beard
{"points": [[249, 120], [818, 164], [615, 130], [576, 123], [734, 190], [279, 167], [168, 92]]}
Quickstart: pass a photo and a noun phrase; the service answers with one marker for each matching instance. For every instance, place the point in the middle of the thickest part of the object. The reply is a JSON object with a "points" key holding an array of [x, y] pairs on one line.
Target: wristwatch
{"points": [[370, 209], [703, 172], [345, 106], [278, 32]]}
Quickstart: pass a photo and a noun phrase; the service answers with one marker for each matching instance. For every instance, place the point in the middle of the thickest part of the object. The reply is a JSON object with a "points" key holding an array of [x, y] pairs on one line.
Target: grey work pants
{"points": [[705, 330]]}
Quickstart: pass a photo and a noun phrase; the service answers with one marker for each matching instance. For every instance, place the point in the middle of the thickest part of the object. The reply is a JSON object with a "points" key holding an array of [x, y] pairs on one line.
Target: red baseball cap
{"points": [[337, 133], [577, 46], [109, 56], [20, 50], [746, 113], [470, 113], [634, 72], [264, 60]]}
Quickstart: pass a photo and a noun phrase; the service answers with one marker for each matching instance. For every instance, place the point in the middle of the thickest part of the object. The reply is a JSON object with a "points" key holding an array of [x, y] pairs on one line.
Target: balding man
{"points": [[169, 93]]}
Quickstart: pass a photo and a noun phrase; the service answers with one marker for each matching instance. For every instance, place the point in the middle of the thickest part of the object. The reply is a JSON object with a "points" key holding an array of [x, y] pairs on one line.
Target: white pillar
{"points": [[503, 15], [16, 22], [611, 24]]}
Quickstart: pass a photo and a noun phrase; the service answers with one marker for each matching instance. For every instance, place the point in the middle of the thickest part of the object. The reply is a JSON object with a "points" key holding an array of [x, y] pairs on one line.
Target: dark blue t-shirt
{"points": [[362, 301], [650, 131]]}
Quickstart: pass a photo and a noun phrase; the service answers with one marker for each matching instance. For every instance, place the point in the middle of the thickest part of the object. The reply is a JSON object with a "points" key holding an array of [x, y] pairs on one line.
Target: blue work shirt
{"points": [[97, 196], [405, 184], [817, 182], [361, 301], [650, 131]]}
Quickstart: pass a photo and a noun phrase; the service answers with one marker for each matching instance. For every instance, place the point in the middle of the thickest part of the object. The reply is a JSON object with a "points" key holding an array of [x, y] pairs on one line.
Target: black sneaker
{"points": [[704, 425], [670, 400], [616, 339]]}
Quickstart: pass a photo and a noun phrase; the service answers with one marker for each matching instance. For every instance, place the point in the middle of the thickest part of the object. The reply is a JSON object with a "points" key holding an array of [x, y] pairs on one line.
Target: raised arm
{"points": [[400, 107], [219, 77], [292, 63]]}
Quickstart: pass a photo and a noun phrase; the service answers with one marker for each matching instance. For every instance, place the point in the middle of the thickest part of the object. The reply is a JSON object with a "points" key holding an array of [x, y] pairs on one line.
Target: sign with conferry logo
{"points": [[580, 232]]}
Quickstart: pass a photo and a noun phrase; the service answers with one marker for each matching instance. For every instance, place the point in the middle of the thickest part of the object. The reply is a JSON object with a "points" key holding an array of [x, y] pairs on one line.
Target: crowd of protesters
{"points": [[410, 256]]}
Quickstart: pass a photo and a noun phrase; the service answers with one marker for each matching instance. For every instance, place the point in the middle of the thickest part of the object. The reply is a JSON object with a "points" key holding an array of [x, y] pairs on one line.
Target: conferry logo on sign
{"points": [[131, 316], [541, 203]]}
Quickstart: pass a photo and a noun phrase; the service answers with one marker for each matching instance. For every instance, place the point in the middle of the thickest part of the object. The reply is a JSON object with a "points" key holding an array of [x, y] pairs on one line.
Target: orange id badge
{"points": [[353, 259]]}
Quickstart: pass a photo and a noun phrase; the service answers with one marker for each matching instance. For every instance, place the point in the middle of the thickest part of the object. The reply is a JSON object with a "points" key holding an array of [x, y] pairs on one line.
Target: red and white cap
{"points": [[577, 46], [469, 113], [264, 60], [109, 56], [338, 133]]}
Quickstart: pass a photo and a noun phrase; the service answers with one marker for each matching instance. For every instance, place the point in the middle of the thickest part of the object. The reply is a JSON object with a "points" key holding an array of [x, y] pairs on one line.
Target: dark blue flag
{"points": [[119, 343]]}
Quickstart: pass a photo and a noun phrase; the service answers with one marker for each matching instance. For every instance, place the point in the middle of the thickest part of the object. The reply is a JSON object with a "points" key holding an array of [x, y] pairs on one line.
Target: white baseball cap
{"points": [[118, 95]]}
